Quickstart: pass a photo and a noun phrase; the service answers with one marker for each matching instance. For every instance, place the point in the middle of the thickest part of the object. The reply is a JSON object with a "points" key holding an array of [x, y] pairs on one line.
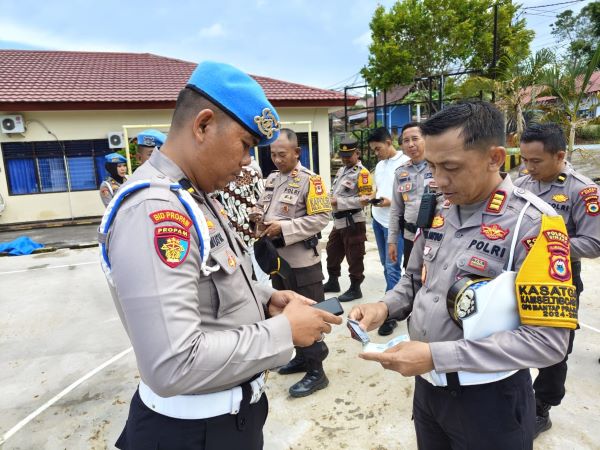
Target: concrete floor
{"points": [[58, 323]]}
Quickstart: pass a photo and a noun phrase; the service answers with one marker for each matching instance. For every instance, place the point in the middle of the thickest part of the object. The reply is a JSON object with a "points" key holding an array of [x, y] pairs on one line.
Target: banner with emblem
{"points": [[317, 200], [544, 284], [365, 182]]}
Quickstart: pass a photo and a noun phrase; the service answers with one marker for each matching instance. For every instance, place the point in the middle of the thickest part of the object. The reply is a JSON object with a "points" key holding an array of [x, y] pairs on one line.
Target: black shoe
{"points": [[332, 285], [297, 364], [312, 382], [353, 293], [542, 423], [387, 328]]}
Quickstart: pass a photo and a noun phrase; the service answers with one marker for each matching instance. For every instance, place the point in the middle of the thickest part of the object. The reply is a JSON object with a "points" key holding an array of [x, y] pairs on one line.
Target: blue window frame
{"points": [[42, 167]]}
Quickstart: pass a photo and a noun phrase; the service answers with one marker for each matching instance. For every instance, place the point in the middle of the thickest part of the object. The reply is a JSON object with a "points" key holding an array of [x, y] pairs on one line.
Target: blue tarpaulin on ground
{"points": [[19, 246]]}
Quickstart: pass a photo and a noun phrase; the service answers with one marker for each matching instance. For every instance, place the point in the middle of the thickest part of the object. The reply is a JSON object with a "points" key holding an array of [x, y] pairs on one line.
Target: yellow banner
{"points": [[545, 291], [317, 200]]}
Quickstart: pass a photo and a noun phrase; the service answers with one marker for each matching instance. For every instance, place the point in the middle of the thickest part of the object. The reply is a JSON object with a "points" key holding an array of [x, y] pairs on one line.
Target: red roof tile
{"points": [[103, 80]]}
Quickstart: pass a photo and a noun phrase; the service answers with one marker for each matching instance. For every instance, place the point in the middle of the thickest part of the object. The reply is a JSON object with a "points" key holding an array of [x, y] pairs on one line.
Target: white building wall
{"points": [[73, 125]]}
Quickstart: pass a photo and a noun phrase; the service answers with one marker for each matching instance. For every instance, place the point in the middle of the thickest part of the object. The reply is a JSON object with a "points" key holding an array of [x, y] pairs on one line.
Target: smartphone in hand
{"points": [[375, 201], [357, 332], [331, 305]]}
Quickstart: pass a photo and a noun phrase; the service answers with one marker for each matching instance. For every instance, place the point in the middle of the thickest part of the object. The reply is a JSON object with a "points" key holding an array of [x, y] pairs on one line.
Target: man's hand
{"points": [[384, 203], [273, 229], [369, 315], [280, 299], [393, 252], [408, 358], [364, 199], [308, 323], [255, 214]]}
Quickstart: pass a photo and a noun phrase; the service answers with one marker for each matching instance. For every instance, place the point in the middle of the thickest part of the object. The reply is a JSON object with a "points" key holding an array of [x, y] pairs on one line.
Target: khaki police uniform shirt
{"points": [[191, 333], [286, 199], [450, 250], [348, 186], [409, 185], [575, 198], [108, 189]]}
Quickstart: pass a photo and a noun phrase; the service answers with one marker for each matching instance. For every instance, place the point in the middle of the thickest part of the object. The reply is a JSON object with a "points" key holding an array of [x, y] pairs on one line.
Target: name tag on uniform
{"points": [[347, 183], [405, 187], [290, 199]]}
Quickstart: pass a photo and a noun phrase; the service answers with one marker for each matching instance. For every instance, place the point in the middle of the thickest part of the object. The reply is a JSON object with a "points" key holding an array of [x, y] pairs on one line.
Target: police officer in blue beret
{"points": [[147, 141], [116, 166], [203, 332]]}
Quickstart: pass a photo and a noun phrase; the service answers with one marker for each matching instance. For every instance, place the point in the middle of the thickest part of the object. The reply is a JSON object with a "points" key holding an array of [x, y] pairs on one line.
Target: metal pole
{"points": [[346, 109], [430, 112], [374, 108], [441, 93], [385, 111], [495, 55]]}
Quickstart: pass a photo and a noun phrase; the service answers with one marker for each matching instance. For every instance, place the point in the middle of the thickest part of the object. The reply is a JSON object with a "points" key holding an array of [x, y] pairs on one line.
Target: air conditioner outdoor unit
{"points": [[116, 140], [12, 124]]}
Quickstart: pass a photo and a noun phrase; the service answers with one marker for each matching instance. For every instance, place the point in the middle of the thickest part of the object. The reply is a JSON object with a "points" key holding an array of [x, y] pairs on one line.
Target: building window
{"points": [[50, 166]]}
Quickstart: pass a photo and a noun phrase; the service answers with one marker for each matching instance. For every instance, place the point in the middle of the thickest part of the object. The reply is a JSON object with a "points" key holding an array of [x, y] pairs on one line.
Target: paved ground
{"points": [[57, 323]]}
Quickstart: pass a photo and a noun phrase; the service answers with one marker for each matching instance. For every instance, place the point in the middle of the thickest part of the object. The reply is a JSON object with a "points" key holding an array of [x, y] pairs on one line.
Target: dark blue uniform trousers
{"points": [[499, 415], [148, 430]]}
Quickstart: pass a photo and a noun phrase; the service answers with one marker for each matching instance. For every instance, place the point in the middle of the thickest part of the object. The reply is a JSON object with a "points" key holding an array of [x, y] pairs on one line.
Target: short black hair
{"points": [[410, 125], [189, 103], [549, 134], [290, 135], [380, 134], [481, 124]]}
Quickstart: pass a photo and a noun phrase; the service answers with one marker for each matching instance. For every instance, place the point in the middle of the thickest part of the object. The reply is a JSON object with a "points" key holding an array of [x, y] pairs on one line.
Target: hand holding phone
{"points": [[357, 332], [331, 305], [375, 201]]}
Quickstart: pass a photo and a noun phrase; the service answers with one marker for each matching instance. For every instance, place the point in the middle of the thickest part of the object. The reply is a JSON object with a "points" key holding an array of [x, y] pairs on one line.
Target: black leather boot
{"points": [[353, 293], [332, 285], [314, 380], [387, 328], [542, 417], [297, 364]]}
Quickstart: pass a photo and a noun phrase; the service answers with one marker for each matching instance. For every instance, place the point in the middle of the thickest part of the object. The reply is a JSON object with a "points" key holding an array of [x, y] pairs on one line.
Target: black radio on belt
{"points": [[427, 209], [313, 242]]}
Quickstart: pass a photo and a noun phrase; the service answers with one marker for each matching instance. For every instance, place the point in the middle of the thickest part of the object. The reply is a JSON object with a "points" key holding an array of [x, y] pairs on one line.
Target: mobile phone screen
{"points": [[357, 332]]}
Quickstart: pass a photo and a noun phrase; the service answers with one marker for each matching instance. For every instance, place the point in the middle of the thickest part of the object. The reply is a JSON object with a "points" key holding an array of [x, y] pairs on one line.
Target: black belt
{"points": [[412, 227], [347, 213]]}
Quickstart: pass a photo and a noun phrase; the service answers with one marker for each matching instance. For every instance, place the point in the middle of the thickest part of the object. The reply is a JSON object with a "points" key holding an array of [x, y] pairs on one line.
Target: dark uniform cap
{"points": [[151, 138], [238, 95], [348, 146], [115, 158]]}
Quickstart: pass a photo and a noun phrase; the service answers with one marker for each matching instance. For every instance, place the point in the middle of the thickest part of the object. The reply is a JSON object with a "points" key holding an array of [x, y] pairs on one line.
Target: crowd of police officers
{"points": [[205, 333]]}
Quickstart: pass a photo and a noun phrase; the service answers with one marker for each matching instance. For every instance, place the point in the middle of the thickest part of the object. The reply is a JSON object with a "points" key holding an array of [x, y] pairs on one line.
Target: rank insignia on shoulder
{"points": [[437, 222], [496, 202], [560, 198], [294, 174], [561, 178], [210, 225], [494, 231], [172, 244], [404, 174]]}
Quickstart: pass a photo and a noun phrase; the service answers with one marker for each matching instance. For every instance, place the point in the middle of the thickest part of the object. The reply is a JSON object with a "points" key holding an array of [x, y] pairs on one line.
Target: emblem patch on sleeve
{"points": [[172, 244], [590, 197]]}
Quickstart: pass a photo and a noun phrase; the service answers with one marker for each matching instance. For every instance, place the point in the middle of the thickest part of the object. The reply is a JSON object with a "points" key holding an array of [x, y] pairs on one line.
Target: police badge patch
{"points": [[172, 244]]}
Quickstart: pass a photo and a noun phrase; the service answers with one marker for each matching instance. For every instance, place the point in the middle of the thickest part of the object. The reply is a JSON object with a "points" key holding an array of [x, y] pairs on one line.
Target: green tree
{"points": [[581, 31], [568, 83], [423, 37], [512, 85]]}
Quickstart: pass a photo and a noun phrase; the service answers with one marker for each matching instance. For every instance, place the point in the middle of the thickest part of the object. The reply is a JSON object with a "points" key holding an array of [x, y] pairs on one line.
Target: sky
{"points": [[322, 43]]}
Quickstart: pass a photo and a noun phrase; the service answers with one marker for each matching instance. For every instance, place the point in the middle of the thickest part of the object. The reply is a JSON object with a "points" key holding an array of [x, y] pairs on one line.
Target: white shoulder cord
{"points": [[513, 244]]}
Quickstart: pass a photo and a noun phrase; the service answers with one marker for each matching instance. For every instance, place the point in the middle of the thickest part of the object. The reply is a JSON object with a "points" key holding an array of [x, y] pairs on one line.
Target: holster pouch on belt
{"points": [[313, 242]]}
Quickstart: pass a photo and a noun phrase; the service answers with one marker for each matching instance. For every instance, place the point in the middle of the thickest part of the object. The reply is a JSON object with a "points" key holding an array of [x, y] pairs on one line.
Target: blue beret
{"points": [[151, 138], [238, 95], [115, 158]]}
